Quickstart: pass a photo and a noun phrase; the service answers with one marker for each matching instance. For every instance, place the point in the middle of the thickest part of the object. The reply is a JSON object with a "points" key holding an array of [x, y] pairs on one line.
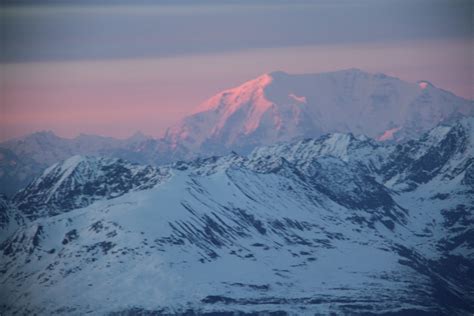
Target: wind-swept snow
{"points": [[341, 224]]}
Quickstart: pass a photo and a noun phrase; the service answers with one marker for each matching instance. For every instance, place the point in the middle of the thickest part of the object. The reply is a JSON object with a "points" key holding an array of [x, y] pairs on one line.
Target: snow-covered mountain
{"points": [[339, 224], [49, 148], [80, 181], [272, 108], [25, 158], [278, 107]]}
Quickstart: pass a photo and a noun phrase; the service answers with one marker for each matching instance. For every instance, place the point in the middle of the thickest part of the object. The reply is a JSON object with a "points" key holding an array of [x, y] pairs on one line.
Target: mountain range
{"points": [[338, 224], [23, 159], [273, 108]]}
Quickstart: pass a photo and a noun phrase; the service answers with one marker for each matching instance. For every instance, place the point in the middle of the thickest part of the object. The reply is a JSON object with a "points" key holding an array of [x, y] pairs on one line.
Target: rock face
{"points": [[273, 108], [339, 224]]}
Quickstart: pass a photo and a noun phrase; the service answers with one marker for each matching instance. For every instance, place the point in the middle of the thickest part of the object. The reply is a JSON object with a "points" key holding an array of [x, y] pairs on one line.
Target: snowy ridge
{"points": [[343, 146], [79, 181], [47, 148], [339, 224], [26, 158], [444, 152]]}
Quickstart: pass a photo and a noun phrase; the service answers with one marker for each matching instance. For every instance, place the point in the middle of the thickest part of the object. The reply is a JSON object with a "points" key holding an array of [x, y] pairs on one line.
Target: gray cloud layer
{"points": [[96, 31]]}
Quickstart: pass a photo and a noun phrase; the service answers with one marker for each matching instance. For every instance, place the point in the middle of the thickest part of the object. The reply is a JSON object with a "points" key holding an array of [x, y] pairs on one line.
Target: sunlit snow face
{"points": [[297, 98], [423, 85], [388, 134]]}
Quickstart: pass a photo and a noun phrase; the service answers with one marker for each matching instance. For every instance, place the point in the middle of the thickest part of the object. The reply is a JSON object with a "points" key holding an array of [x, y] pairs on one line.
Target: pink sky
{"points": [[119, 97]]}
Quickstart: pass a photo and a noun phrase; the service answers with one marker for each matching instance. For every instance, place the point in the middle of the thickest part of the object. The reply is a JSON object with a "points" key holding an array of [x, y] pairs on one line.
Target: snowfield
{"points": [[340, 224]]}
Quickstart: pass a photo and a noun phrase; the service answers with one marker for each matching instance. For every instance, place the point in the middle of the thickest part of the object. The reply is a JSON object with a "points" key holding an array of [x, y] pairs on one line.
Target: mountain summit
{"points": [[279, 107]]}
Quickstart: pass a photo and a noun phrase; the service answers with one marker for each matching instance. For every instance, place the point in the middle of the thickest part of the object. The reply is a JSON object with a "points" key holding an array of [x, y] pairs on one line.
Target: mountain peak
{"points": [[423, 84], [278, 74], [38, 138], [278, 106], [352, 70], [41, 135], [258, 83], [229, 99], [80, 180], [44, 133], [137, 137]]}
